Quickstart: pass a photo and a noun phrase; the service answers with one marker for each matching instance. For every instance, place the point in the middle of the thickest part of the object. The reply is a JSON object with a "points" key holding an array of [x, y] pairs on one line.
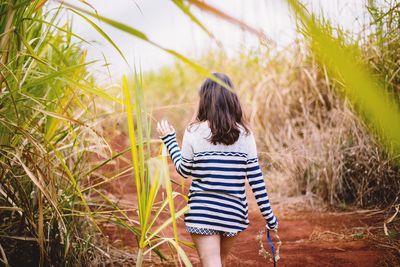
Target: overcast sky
{"points": [[165, 24]]}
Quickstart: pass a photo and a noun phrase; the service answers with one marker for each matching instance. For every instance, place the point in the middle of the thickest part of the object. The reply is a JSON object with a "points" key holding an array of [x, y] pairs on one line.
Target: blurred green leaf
{"points": [[365, 92]]}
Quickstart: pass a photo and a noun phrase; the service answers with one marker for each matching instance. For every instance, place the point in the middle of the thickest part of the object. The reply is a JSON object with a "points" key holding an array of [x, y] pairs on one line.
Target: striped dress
{"points": [[217, 198]]}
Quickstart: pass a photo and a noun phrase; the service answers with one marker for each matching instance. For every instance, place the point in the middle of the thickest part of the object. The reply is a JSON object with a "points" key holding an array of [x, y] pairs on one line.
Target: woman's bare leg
{"points": [[208, 248], [226, 245]]}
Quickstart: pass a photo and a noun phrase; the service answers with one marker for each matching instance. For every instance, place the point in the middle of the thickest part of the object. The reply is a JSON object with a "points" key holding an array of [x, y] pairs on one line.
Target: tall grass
{"points": [[371, 99], [46, 138]]}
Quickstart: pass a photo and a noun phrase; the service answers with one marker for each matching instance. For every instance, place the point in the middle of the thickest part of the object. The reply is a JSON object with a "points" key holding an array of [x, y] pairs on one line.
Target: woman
{"points": [[218, 152]]}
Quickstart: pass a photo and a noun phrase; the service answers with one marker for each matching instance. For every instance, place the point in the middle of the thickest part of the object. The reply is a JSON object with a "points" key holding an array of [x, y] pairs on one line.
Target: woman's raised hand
{"points": [[164, 128]]}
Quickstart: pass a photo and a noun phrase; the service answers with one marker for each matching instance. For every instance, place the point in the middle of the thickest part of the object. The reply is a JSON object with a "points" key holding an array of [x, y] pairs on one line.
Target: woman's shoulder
{"points": [[195, 126], [245, 131]]}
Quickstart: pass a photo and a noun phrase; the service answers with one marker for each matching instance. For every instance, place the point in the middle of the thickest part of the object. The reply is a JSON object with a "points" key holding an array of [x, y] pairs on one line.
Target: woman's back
{"points": [[217, 198], [217, 168]]}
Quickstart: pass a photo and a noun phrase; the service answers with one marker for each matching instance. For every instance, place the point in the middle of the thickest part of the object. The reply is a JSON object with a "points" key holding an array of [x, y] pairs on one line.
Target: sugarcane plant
{"points": [[149, 174], [46, 137]]}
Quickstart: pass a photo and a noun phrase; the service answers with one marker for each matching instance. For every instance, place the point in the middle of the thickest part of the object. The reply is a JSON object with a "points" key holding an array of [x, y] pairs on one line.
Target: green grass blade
{"points": [[99, 30], [181, 253], [167, 222], [55, 74], [185, 9], [168, 188], [132, 139]]}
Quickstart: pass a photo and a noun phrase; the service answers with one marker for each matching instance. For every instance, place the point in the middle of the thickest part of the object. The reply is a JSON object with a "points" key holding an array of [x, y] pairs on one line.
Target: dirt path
{"points": [[311, 238]]}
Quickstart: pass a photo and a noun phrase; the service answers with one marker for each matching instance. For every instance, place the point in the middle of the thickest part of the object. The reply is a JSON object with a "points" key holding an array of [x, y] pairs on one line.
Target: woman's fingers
{"points": [[167, 127], [171, 128], [158, 127], [163, 127]]}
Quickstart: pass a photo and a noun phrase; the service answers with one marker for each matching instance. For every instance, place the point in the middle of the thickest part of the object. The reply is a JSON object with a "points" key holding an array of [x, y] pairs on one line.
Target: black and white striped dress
{"points": [[217, 198]]}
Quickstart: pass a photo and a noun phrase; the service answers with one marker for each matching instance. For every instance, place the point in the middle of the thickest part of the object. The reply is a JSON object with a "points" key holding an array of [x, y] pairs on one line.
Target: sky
{"points": [[168, 26]]}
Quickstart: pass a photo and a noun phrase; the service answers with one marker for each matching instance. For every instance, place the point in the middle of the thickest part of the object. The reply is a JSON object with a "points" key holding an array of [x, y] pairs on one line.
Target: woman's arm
{"points": [[182, 159], [256, 180]]}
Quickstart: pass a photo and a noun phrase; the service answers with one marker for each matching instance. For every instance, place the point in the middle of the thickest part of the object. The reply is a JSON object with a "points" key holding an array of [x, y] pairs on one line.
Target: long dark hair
{"points": [[221, 108]]}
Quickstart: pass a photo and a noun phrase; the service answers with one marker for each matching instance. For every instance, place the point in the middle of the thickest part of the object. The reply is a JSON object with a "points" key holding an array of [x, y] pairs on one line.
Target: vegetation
{"points": [[46, 138], [318, 133], [54, 198]]}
